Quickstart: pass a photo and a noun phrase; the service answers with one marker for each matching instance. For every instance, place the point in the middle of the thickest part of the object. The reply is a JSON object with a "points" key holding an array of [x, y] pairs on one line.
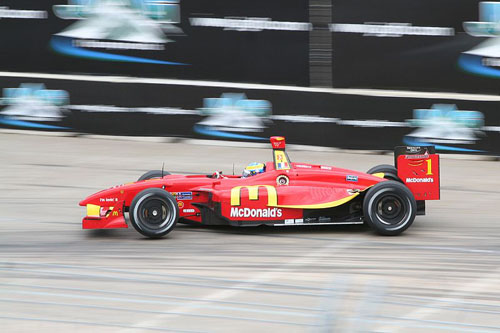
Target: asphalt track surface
{"points": [[442, 275]]}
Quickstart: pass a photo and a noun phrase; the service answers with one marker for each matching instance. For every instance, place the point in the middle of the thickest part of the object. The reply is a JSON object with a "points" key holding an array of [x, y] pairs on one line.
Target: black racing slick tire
{"points": [[153, 174], [389, 208], [154, 212], [389, 171]]}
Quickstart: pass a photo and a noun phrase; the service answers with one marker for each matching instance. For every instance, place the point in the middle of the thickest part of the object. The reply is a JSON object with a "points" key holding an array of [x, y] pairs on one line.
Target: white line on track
{"points": [[307, 259], [487, 282]]}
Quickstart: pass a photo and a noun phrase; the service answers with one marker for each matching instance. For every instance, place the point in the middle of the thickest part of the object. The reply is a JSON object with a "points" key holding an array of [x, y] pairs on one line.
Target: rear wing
{"points": [[418, 168]]}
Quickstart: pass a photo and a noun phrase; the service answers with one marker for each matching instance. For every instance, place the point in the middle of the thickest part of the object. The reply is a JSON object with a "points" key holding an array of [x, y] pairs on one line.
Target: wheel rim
{"points": [[390, 210], [155, 214]]}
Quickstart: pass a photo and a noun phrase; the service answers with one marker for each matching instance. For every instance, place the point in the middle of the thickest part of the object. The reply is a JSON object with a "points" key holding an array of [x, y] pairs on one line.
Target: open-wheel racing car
{"points": [[278, 193]]}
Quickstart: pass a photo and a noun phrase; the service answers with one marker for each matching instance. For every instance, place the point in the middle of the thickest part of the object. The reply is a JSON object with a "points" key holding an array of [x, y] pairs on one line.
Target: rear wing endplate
{"points": [[418, 168]]}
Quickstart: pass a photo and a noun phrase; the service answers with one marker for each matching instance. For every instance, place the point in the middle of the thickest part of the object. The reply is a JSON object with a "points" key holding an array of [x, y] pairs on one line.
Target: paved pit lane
{"points": [[442, 275]]}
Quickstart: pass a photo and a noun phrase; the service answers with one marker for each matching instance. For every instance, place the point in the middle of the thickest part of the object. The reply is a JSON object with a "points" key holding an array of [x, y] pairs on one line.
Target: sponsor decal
{"points": [[108, 199], [116, 25], [353, 191], [31, 105], [325, 167], [234, 116], [420, 162], [351, 178], [419, 180], [183, 195], [106, 211], [249, 24], [491, 62], [253, 194], [413, 150], [303, 166], [188, 210], [445, 127], [7, 13], [281, 161], [299, 220], [289, 221], [278, 142], [416, 157], [342, 122], [282, 166], [117, 45], [180, 204], [103, 211], [390, 29], [256, 212], [148, 110]]}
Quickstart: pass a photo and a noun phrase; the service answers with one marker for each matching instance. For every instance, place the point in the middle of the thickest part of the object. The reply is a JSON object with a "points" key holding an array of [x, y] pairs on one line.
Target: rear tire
{"points": [[154, 212], [389, 171], [153, 174], [389, 208]]}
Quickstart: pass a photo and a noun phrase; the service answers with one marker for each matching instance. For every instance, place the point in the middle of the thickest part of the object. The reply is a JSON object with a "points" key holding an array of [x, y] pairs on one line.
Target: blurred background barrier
{"points": [[257, 41], [335, 118], [310, 48]]}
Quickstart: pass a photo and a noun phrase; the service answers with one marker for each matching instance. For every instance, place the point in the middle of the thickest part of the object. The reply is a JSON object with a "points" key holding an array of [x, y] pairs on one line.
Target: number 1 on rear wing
{"points": [[418, 168]]}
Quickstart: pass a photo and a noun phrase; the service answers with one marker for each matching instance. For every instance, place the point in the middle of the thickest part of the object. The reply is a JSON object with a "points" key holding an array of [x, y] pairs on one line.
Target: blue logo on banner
{"points": [[119, 25], [445, 127], [234, 116], [484, 59], [33, 106]]}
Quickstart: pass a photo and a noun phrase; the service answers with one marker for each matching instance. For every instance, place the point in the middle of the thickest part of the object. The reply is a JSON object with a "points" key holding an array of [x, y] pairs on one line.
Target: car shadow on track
{"points": [[269, 230], [264, 231], [104, 233]]}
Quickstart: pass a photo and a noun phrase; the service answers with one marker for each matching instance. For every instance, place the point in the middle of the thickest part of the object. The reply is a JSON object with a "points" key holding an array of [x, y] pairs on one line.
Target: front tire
{"points": [[154, 212], [389, 208], [153, 174]]}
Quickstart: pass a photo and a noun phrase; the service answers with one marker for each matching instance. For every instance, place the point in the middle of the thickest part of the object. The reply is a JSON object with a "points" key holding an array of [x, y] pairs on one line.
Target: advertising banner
{"points": [[258, 41], [427, 45], [252, 115]]}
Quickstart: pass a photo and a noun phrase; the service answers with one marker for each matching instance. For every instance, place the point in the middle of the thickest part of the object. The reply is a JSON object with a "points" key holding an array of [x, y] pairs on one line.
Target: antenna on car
{"points": [[233, 169], [162, 167]]}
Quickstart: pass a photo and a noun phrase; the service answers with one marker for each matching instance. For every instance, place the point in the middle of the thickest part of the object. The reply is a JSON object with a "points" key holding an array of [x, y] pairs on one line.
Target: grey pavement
{"points": [[442, 275]]}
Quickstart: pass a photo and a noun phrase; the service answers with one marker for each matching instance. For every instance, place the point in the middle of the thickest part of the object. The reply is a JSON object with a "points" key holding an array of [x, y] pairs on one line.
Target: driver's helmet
{"points": [[254, 169]]}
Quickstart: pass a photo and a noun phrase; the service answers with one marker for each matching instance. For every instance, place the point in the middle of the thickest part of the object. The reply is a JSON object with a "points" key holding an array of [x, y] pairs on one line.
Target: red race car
{"points": [[278, 193]]}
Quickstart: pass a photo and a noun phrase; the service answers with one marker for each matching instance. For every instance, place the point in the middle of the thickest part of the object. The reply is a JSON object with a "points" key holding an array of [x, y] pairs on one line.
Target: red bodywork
{"points": [[285, 194]]}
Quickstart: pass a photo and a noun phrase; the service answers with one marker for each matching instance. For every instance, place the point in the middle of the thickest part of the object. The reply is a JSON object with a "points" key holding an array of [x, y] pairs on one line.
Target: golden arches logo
{"points": [[253, 194], [415, 163]]}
